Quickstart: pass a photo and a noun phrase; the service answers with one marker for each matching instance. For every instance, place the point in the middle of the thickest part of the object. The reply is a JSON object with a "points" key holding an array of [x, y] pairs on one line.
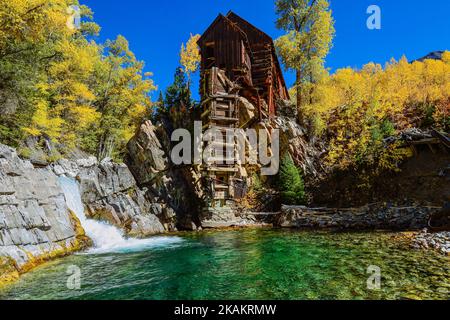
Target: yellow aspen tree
{"points": [[190, 56]]}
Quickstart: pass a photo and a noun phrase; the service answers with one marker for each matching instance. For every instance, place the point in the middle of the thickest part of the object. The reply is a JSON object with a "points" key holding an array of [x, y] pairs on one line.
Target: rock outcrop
{"points": [[175, 187], [110, 193], [294, 140], [35, 222], [370, 217]]}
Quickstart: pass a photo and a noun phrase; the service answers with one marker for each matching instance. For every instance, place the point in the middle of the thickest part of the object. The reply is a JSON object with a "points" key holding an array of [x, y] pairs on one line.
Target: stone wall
{"points": [[35, 223], [375, 216]]}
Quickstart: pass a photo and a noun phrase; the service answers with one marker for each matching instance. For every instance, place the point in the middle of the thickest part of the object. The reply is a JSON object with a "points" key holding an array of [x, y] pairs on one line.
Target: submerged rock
{"points": [[439, 241]]}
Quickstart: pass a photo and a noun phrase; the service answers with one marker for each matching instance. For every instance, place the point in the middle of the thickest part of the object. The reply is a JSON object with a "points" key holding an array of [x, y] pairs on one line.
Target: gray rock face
{"points": [[375, 216], [146, 151], [174, 187], [110, 193], [34, 219], [293, 139]]}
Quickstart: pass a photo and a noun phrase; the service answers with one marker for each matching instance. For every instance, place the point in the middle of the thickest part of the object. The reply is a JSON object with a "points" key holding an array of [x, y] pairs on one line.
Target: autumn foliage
{"points": [[67, 88], [354, 110]]}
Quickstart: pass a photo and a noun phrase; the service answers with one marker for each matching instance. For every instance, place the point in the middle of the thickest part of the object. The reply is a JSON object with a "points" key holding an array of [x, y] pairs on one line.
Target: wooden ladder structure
{"points": [[221, 113]]}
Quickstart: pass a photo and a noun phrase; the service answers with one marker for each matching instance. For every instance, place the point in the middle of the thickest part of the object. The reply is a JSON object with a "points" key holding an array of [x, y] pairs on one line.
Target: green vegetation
{"points": [[290, 183], [176, 103], [355, 110], [57, 84]]}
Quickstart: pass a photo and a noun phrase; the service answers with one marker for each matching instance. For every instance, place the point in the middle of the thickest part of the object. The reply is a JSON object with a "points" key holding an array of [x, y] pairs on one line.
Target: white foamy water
{"points": [[107, 238]]}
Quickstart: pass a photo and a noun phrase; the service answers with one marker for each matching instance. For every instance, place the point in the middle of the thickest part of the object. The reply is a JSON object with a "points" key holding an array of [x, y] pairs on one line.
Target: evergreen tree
{"points": [[290, 183], [178, 100], [160, 110], [177, 95], [161, 105]]}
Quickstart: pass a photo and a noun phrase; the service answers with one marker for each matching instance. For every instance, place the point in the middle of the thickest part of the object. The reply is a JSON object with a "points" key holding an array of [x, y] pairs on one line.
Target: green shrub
{"points": [[24, 152], [290, 183]]}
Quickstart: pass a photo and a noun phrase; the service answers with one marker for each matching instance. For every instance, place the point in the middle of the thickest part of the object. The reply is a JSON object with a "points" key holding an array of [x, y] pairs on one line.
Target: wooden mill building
{"points": [[238, 62], [248, 57]]}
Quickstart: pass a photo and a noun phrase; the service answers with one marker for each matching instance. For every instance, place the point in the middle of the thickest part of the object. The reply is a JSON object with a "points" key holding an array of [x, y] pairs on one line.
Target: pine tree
{"points": [[160, 109], [178, 100], [290, 183]]}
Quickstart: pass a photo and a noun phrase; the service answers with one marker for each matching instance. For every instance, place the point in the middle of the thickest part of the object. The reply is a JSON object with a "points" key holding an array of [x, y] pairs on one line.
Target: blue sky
{"points": [[156, 29]]}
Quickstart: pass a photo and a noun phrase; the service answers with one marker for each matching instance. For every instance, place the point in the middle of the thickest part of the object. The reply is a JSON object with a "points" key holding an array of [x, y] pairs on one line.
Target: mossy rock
{"points": [[82, 240], [8, 271]]}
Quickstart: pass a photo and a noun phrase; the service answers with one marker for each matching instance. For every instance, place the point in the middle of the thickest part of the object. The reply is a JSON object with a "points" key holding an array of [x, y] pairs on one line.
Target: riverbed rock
{"points": [[227, 216], [35, 222], [439, 241]]}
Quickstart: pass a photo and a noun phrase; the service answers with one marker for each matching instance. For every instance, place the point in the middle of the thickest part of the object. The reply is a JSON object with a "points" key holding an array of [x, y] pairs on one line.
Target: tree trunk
{"points": [[106, 147], [299, 95]]}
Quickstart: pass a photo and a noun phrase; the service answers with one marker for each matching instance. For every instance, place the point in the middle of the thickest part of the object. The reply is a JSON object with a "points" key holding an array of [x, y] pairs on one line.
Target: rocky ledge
{"points": [[35, 223], [109, 193], [374, 216]]}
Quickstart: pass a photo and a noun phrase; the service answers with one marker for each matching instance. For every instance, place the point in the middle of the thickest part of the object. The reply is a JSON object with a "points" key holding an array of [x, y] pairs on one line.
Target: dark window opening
{"points": [[210, 55]]}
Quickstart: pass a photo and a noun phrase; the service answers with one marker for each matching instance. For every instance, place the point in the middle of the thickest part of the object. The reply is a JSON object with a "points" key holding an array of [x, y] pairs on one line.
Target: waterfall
{"points": [[106, 238]]}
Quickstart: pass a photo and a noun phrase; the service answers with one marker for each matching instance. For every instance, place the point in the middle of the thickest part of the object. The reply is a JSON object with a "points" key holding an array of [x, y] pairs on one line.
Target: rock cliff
{"points": [[110, 193], [35, 223], [177, 187]]}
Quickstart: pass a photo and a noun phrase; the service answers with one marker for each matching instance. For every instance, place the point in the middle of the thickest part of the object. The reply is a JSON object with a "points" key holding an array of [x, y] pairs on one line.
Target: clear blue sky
{"points": [[156, 29]]}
